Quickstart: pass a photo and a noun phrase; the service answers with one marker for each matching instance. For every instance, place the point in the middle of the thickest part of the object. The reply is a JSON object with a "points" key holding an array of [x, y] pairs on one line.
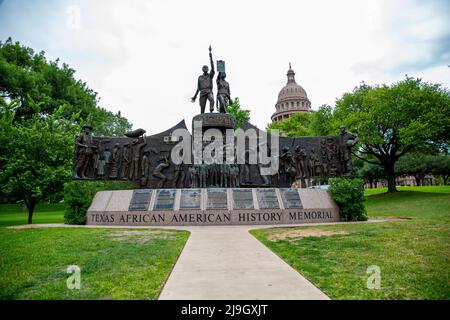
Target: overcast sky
{"points": [[143, 57]]}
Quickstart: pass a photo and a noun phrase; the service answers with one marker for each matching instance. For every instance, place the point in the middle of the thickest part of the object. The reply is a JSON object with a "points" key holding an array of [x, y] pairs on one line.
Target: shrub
{"points": [[349, 196], [78, 196]]}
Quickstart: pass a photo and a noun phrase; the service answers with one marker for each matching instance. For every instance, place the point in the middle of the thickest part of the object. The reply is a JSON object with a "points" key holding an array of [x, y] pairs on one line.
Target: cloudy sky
{"points": [[143, 57]]}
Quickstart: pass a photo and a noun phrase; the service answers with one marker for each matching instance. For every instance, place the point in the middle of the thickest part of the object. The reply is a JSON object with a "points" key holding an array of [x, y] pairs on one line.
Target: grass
{"points": [[115, 263], [413, 255], [16, 214], [430, 189]]}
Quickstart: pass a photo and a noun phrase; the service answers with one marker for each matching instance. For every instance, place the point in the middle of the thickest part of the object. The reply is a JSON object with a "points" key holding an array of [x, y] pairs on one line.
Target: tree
{"points": [[241, 115], [106, 123], [440, 166], [391, 121], [417, 165], [297, 125], [317, 123], [322, 123], [39, 99], [371, 173], [6, 123], [28, 78], [36, 157]]}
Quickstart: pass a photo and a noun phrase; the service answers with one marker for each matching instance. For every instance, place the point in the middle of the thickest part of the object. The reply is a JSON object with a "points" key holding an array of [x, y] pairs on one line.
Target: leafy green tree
{"points": [[42, 107], [317, 123], [36, 157], [297, 125], [440, 166], [322, 123], [391, 121], [28, 78], [241, 115], [106, 123], [371, 173], [417, 165], [6, 124]]}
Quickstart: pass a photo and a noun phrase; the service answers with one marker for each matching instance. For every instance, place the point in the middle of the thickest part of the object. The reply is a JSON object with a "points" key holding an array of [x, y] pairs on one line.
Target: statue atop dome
{"points": [[291, 74]]}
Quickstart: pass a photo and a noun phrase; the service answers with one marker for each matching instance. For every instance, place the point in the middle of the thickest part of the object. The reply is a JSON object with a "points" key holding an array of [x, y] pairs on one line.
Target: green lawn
{"points": [[413, 255], [16, 214], [115, 263], [431, 189]]}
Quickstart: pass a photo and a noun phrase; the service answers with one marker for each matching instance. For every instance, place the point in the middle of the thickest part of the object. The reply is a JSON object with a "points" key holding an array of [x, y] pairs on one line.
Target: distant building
{"points": [[291, 99]]}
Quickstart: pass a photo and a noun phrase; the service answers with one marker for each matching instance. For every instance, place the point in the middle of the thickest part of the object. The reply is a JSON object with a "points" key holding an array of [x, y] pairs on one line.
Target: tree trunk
{"points": [[417, 181], [390, 174], [31, 204]]}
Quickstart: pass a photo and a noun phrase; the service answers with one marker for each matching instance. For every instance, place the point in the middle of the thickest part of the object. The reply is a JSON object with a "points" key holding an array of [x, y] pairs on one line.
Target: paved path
{"points": [[229, 263]]}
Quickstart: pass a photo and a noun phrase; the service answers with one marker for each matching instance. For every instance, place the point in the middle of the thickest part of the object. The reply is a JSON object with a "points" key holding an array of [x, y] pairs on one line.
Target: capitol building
{"points": [[291, 99]]}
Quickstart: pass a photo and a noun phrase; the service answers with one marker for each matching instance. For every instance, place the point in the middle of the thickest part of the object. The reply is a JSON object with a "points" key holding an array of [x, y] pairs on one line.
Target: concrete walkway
{"points": [[229, 263]]}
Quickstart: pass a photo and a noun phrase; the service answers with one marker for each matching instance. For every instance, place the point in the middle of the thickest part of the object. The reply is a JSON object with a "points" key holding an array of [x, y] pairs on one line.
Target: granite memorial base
{"points": [[212, 206]]}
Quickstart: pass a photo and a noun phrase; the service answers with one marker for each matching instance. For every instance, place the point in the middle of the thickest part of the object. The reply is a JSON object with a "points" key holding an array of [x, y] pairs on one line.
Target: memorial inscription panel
{"points": [[190, 199], [165, 199], [140, 200], [291, 199], [267, 199], [222, 206], [216, 199], [242, 199]]}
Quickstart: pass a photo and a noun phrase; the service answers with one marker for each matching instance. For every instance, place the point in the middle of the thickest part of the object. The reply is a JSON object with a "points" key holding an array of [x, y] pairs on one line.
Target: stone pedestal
{"points": [[215, 206], [220, 121]]}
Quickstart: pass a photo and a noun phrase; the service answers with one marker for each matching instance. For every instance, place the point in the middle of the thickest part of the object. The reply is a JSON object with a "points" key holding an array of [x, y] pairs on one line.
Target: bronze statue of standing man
{"points": [[205, 86]]}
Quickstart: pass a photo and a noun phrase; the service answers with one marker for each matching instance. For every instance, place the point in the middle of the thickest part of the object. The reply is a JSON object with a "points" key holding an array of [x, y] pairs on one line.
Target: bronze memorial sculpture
{"points": [[205, 86], [85, 152], [223, 92], [224, 184]]}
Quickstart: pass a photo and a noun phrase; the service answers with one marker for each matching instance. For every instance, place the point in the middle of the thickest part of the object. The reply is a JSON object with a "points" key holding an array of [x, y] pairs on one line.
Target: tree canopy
{"points": [[393, 120], [419, 165], [36, 157], [440, 166], [30, 79], [42, 107], [241, 115], [368, 171], [318, 123]]}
